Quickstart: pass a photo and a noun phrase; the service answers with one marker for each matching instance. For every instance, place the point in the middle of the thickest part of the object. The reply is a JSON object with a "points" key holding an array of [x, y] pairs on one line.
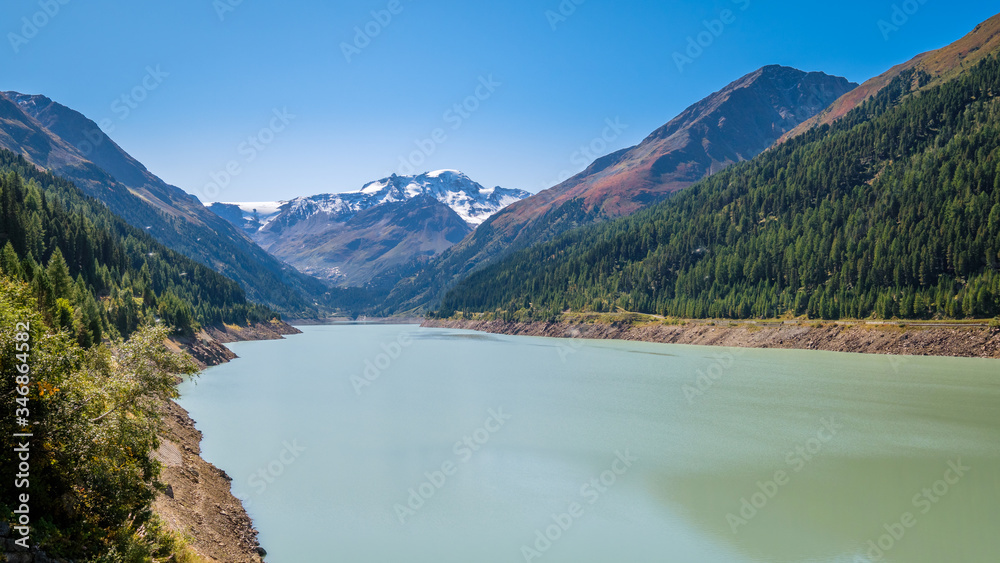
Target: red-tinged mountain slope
{"points": [[941, 64], [732, 125]]}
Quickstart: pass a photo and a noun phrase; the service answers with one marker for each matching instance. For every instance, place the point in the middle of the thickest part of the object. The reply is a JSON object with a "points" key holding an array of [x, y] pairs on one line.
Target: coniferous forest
{"points": [[96, 276], [891, 212]]}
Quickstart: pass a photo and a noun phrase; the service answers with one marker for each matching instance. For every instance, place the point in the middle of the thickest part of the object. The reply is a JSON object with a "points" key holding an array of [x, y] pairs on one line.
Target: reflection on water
{"points": [[748, 456]]}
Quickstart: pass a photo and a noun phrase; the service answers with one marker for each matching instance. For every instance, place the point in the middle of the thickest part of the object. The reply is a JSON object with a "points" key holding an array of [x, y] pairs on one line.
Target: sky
{"points": [[254, 100]]}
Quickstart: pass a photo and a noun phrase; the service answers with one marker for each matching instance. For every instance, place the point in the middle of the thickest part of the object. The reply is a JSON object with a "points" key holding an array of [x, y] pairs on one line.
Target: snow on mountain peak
{"points": [[374, 187], [262, 208]]}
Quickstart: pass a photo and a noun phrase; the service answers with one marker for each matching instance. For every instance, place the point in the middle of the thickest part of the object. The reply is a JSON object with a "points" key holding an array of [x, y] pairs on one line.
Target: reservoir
{"points": [[375, 443]]}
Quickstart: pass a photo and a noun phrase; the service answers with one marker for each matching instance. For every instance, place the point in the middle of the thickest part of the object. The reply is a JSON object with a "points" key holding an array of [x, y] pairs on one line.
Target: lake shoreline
{"points": [[199, 503], [207, 347], [972, 341]]}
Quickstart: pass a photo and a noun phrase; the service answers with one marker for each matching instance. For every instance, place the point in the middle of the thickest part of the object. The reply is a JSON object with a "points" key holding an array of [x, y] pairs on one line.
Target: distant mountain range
{"points": [[729, 126], [352, 237], [65, 142]]}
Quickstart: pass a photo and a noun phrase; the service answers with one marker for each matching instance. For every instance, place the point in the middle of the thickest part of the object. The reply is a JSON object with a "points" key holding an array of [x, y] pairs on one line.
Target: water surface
{"points": [[706, 454]]}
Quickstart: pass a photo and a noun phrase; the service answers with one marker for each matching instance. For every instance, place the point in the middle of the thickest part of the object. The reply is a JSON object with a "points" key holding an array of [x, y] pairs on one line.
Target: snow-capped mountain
{"points": [[389, 224], [470, 200]]}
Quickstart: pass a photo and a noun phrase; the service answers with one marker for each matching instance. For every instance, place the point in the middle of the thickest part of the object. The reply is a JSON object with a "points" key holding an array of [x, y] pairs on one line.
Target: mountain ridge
{"points": [[940, 64], [57, 138]]}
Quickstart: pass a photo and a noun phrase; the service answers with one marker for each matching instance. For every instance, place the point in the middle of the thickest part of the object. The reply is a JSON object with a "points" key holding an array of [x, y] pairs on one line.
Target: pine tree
{"points": [[58, 273], [9, 262]]}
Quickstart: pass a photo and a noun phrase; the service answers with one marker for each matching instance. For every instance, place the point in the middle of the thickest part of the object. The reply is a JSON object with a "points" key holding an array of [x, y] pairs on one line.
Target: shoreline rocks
{"points": [[207, 348], [909, 340], [198, 502]]}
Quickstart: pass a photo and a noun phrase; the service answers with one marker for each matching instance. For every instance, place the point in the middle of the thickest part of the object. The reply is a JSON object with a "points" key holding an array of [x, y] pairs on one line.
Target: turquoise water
{"points": [[468, 447]]}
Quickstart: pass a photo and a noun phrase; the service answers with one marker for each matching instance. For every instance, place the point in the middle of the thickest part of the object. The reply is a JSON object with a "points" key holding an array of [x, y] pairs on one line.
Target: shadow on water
{"points": [[832, 508], [460, 336], [653, 353]]}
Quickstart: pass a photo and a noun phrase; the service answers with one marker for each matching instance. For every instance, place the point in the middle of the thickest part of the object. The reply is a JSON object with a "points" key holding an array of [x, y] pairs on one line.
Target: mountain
{"points": [[892, 211], [61, 140], [729, 126], [939, 65], [353, 237]]}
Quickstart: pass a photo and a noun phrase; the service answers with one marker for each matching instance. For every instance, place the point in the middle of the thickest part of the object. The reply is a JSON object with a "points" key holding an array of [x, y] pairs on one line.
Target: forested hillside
{"points": [[893, 211], [94, 274]]}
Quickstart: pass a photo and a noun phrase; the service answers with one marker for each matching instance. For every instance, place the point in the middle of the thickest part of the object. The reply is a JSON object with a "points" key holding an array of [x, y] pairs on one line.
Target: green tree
{"points": [[58, 273]]}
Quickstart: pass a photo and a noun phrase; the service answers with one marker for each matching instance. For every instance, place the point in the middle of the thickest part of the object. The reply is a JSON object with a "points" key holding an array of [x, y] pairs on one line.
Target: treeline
{"points": [[96, 276], [893, 211]]}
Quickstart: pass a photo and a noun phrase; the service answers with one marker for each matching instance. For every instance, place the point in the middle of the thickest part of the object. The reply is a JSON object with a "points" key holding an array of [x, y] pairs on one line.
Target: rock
{"points": [[261, 551], [169, 491], [20, 557], [848, 336], [4, 529]]}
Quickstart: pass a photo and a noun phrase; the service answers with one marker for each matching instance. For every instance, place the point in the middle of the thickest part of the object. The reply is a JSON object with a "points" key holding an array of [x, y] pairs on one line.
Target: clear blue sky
{"points": [[354, 121]]}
